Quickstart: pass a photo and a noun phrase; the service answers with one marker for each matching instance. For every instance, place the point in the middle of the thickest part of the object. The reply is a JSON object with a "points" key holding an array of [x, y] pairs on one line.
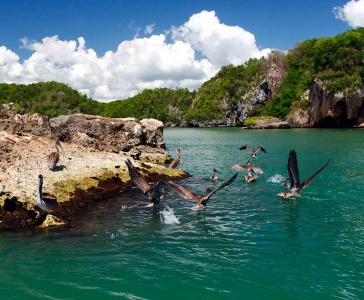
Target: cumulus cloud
{"points": [[221, 44], [352, 13], [137, 64]]}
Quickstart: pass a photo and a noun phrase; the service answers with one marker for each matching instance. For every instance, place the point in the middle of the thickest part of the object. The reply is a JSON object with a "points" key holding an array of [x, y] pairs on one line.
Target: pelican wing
{"points": [[261, 148], [309, 179], [257, 170], [246, 146], [238, 167], [184, 192], [52, 159], [138, 178], [292, 167], [226, 183], [174, 164]]}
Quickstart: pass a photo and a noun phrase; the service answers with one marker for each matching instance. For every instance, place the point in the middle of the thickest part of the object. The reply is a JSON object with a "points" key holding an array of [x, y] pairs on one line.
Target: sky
{"points": [[113, 49]]}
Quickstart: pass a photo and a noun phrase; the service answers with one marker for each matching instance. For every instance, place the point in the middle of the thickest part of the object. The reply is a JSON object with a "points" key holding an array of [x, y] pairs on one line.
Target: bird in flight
{"points": [[201, 200], [253, 153], [294, 177]]}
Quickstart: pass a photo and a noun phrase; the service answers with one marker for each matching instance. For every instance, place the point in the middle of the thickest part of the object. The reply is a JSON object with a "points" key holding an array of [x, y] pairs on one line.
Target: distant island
{"points": [[318, 83]]}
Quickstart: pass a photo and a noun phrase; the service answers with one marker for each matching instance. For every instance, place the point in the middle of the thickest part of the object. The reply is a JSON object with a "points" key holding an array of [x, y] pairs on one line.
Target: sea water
{"points": [[247, 244]]}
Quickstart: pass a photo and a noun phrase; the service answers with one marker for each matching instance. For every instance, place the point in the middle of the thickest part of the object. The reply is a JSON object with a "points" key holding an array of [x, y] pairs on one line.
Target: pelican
{"points": [[201, 200], [214, 176], [250, 177], [248, 168], [294, 177], [174, 164], [152, 191], [252, 152], [45, 201], [53, 157]]}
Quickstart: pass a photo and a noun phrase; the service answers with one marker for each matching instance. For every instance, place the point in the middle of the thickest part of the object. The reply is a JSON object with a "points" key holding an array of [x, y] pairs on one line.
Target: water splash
{"points": [[276, 178], [168, 217]]}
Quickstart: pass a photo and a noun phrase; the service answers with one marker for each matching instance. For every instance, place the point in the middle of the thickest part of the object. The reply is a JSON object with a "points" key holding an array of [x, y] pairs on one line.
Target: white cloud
{"points": [[352, 13], [136, 64], [149, 28], [221, 44]]}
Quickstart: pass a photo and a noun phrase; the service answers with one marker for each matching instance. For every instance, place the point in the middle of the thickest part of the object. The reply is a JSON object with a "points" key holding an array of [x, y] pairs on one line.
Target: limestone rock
{"points": [[107, 134], [18, 121], [338, 109], [51, 221]]}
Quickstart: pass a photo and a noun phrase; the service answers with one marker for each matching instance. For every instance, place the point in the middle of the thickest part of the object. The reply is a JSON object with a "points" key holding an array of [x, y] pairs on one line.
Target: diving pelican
{"points": [[252, 152], [174, 164], [152, 191], [214, 176], [294, 177], [53, 157], [201, 200], [45, 201]]}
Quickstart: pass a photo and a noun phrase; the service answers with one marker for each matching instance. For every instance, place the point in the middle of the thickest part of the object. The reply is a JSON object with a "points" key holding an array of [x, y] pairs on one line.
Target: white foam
{"points": [[168, 217], [276, 178]]}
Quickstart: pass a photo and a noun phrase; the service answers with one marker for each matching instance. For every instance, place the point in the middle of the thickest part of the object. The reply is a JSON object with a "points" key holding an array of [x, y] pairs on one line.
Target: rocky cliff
{"points": [[327, 109]]}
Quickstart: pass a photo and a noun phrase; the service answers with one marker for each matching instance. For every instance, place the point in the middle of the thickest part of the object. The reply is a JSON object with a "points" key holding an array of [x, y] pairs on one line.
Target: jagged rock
{"points": [[299, 118], [19, 121], [107, 134], [51, 221]]}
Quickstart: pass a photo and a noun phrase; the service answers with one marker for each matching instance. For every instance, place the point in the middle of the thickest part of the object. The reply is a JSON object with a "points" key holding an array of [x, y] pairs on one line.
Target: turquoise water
{"points": [[248, 245]]}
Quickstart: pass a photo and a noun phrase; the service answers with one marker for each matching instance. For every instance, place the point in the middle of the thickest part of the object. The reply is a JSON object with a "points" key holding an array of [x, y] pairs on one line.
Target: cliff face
{"points": [[335, 109]]}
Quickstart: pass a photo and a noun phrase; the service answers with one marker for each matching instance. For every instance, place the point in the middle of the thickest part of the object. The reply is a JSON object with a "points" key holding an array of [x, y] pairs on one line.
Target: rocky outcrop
{"points": [[335, 109], [92, 168], [14, 120], [273, 123], [107, 134]]}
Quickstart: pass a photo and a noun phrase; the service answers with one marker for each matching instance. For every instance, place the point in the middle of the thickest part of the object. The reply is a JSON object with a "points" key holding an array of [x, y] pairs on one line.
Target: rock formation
{"points": [[92, 168]]}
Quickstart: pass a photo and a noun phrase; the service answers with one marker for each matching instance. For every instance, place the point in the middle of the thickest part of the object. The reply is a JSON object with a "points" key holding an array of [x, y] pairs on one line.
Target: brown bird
{"points": [[247, 168], [250, 177], [201, 200], [253, 153], [53, 157], [214, 176], [294, 177], [174, 164], [152, 191], [45, 201]]}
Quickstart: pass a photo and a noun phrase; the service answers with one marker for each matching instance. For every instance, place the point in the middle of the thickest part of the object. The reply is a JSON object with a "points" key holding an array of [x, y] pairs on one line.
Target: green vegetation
{"points": [[338, 62], [251, 121], [48, 98]]}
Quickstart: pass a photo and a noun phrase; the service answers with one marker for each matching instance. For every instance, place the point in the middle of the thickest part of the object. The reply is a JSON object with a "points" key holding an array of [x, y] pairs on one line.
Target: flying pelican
{"points": [[252, 152], [294, 177], [152, 191], [201, 200], [174, 164], [53, 157], [214, 176], [45, 201], [248, 168]]}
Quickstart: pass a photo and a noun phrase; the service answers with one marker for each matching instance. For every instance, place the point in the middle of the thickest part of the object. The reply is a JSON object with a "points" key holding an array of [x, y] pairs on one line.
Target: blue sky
{"points": [[114, 49]]}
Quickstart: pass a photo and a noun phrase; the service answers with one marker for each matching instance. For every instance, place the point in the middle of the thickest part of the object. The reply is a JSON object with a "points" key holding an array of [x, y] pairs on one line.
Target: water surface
{"points": [[249, 244]]}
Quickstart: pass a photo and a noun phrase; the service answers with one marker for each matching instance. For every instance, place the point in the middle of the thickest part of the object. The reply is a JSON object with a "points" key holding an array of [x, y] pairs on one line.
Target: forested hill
{"points": [[272, 86]]}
